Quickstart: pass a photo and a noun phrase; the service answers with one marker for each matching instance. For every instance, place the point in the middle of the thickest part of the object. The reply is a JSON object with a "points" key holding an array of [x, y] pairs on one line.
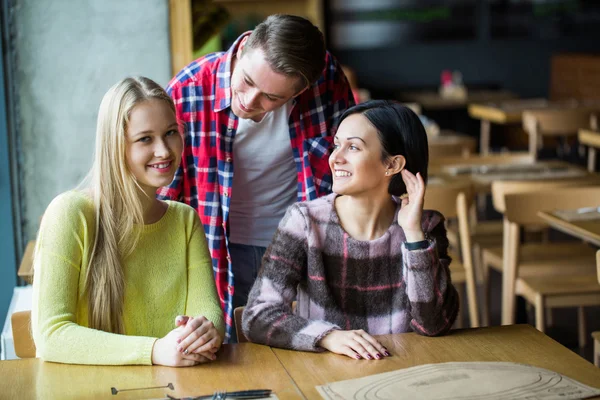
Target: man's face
{"points": [[255, 88]]}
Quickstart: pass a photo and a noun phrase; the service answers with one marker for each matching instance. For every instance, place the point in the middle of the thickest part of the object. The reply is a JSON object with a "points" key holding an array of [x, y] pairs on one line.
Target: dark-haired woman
{"points": [[360, 261]]}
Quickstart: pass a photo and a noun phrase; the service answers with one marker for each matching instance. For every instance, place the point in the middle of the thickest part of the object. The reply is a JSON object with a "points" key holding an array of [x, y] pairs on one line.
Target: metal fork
{"points": [[219, 395]]}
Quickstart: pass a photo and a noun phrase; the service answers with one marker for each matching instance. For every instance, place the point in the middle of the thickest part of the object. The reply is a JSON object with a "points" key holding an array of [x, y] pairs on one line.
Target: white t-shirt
{"points": [[265, 179]]}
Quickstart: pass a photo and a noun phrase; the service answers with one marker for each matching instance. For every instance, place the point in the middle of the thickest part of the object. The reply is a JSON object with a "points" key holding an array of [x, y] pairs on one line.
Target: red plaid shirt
{"points": [[202, 96]]}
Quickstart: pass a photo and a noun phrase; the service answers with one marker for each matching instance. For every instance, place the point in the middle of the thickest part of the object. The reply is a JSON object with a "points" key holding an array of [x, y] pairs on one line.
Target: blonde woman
{"points": [[118, 272]]}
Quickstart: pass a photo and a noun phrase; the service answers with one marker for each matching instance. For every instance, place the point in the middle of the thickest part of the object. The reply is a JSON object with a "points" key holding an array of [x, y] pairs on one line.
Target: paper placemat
{"points": [[580, 214], [461, 380]]}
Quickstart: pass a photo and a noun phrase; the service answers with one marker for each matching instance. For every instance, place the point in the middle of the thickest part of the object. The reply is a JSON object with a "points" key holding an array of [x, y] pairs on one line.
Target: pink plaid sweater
{"points": [[343, 283]]}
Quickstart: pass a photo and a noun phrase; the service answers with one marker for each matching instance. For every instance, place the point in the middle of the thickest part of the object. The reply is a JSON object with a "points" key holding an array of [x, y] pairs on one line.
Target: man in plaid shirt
{"points": [[271, 103]]}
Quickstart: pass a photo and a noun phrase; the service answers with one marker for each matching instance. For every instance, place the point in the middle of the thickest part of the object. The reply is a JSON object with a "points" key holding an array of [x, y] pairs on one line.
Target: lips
{"points": [[161, 167], [244, 108]]}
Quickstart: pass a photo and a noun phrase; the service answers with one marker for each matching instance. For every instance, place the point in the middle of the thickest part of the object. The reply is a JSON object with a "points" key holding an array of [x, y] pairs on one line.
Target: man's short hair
{"points": [[292, 46]]}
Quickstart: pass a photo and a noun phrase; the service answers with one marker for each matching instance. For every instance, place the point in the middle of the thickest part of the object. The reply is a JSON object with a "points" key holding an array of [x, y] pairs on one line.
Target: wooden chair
{"points": [[26, 266], [237, 318], [596, 335], [21, 330], [591, 139], [553, 123], [536, 258], [453, 201], [451, 144], [569, 280]]}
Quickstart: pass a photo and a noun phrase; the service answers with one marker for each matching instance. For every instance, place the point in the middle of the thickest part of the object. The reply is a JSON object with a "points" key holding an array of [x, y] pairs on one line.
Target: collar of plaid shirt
{"points": [[202, 95]]}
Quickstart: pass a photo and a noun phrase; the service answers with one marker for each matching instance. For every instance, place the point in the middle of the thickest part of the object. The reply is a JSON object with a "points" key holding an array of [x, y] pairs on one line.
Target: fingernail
{"points": [[387, 353], [178, 340], [180, 349], [378, 356], [358, 357], [370, 357]]}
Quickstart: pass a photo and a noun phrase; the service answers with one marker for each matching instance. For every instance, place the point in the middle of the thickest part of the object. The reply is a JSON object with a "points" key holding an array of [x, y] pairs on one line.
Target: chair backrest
{"points": [[522, 208], [451, 146], [443, 197], [502, 188], [560, 121], [598, 264], [237, 318], [26, 266], [21, 330], [555, 122]]}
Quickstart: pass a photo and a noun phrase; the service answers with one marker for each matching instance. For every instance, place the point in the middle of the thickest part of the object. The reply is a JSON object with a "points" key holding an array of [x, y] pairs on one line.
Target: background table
{"points": [[586, 230], [511, 112], [431, 100], [516, 343]]}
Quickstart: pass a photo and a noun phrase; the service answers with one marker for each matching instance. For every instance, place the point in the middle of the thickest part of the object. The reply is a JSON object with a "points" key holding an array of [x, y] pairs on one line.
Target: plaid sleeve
{"points": [[268, 317], [433, 299]]}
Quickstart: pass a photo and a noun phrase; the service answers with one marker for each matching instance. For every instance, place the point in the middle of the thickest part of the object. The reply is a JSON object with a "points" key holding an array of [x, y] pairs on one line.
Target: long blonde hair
{"points": [[116, 196]]}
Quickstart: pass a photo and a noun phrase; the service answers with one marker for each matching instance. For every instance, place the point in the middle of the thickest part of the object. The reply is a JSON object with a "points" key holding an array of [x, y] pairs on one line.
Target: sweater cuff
{"points": [[420, 258], [145, 350]]}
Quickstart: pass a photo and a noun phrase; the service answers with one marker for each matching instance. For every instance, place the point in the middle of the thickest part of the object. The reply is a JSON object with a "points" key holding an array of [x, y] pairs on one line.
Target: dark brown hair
{"points": [[292, 46], [400, 132]]}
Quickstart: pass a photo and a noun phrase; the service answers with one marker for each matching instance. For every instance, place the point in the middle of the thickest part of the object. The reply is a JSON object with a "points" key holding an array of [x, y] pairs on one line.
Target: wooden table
{"points": [[511, 112], [290, 374], [483, 174], [588, 231], [508, 112], [516, 343], [592, 140], [239, 367], [431, 100]]}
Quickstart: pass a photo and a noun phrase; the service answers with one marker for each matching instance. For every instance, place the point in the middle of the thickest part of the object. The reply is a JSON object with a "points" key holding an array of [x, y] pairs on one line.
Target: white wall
{"points": [[69, 52]]}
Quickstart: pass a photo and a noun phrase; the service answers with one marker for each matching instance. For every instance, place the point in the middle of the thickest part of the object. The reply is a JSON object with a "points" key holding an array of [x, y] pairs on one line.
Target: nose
{"points": [[337, 156], [251, 97], [162, 149]]}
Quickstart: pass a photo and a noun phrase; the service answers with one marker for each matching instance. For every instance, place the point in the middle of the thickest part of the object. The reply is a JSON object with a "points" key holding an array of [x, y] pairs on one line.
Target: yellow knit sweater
{"points": [[168, 274]]}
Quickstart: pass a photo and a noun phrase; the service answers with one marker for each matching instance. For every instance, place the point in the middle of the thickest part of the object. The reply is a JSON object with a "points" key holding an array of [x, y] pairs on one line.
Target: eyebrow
{"points": [[268, 94], [353, 137], [147, 131]]}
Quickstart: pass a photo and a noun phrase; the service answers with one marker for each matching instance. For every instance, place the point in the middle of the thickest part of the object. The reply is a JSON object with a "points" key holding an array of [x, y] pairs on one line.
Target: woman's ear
{"points": [[395, 165]]}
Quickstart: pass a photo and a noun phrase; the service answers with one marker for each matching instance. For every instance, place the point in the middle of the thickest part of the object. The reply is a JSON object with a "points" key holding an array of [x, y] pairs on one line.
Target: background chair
{"points": [[237, 318], [554, 123], [535, 258], [453, 200], [591, 139], [21, 330], [596, 335], [568, 281]]}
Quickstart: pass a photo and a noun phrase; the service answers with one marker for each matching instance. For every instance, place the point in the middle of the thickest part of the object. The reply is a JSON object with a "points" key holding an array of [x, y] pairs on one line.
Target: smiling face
{"points": [[356, 159], [256, 88], [154, 144]]}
